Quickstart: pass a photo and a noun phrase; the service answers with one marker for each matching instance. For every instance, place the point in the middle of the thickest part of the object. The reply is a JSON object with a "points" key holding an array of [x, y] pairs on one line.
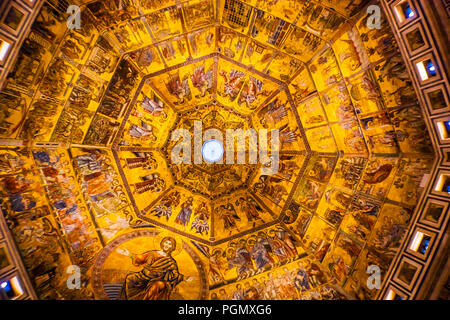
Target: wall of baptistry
{"points": [[86, 178]]}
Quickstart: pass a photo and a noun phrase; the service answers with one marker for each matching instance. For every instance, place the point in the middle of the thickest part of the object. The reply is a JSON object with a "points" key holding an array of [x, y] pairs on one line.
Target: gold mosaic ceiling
{"points": [[113, 92]]}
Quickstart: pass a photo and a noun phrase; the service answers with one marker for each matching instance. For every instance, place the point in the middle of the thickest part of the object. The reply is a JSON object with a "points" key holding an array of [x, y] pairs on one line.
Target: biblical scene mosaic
{"points": [[107, 197]]}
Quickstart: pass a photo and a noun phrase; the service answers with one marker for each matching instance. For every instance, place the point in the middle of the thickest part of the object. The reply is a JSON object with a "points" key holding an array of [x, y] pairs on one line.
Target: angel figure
{"points": [[141, 160], [217, 267], [200, 223], [233, 83], [151, 182], [143, 131], [154, 106], [261, 252], [251, 209], [202, 81], [241, 259], [229, 216], [272, 114], [250, 92], [178, 88], [184, 215], [164, 209], [286, 135], [267, 186]]}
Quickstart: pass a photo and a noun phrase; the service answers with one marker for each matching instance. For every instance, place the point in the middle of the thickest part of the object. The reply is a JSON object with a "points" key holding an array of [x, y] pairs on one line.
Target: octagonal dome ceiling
{"points": [[222, 95], [98, 111]]}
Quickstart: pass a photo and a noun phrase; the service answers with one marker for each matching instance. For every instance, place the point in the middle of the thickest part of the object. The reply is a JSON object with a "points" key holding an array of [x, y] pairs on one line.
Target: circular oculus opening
{"points": [[212, 150]]}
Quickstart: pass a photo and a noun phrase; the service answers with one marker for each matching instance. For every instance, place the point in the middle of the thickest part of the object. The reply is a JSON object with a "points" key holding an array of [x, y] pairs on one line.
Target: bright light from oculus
{"points": [[212, 151]]}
